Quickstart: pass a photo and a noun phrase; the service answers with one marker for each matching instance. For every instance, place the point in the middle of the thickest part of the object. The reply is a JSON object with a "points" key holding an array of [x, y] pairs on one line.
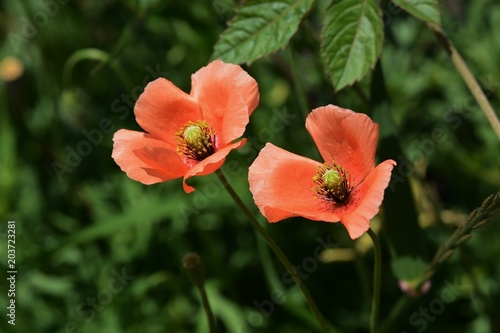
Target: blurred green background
{"points": [[99, 252]]}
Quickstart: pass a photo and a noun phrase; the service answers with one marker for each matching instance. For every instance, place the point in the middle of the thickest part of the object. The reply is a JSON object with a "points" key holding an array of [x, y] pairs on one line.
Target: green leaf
{"points": [[408, 268], [51, 284], [260, 28], [351, 41], [426, 10], [231, 314]]}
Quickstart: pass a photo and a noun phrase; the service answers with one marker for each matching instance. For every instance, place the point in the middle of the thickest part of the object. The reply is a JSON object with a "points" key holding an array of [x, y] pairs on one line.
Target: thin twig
{"points": [[469, 79]]}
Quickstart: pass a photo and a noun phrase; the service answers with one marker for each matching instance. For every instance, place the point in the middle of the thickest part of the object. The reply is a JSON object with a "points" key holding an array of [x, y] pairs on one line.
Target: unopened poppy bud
{"points": [[194, 268]]}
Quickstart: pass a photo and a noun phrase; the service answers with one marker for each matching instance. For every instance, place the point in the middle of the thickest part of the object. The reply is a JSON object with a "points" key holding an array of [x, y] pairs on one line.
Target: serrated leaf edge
{"points": [[335, 88], [234, 19]]}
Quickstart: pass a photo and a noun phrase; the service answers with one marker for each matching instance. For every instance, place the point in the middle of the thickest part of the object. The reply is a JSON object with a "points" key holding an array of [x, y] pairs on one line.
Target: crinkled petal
{"points": [[346, 137], [210, 164], [281, 184], [230, 74], [365, 200], [227, 96], [146, 159], [162, 109]]}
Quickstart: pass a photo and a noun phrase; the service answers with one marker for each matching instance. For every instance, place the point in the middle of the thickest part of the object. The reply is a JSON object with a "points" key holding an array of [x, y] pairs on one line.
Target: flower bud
{"points": [[411, 290], [194, 268]]}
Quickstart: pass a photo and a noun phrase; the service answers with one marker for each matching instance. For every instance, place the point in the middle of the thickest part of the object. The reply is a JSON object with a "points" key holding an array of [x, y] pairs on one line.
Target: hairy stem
{"points": [[469, 79], [277, 251], [207, 308], [377, 274]]}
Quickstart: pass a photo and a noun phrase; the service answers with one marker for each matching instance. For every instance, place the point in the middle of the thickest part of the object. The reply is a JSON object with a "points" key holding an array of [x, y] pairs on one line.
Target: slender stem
{"points": [[276, 249], [96, 55], [395, 314], [477, 218], [377, 272], [207, 308], [362, 272], [297, 82], [484, 303], [469, 79]]}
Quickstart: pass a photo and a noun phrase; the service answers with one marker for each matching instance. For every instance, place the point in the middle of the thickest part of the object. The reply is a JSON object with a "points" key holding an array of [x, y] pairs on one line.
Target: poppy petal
{"points": [[281, 183], [146, 159], [162, 109], [227, 96], [367, 198], [210, 164], [346, 137]]}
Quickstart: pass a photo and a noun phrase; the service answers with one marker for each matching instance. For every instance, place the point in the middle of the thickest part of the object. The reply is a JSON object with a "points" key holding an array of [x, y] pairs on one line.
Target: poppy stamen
{"points": [[333, 183], [196, 140]]}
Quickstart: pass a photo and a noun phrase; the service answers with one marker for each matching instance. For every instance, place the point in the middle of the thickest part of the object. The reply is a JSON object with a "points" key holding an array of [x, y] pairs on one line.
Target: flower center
{"points": [[333, 183], [196, 140]]}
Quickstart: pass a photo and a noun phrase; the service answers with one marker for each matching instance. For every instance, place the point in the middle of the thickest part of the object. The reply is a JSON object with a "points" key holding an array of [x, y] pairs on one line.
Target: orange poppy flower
{"points": [[346, 188], [187, 134]]}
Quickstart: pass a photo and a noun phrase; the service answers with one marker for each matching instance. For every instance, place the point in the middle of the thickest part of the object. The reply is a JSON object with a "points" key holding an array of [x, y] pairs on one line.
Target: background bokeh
{"points": [[99, 252]]}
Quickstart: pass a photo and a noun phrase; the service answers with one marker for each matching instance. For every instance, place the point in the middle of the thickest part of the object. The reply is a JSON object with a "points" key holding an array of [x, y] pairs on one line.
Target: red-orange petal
{"points": [[210, 164], [346, 137], [227, 96], [162, 109], [146, 159], [366, 199], [281, 184]]}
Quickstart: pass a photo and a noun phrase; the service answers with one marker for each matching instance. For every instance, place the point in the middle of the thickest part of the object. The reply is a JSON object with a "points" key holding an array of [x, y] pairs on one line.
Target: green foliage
{"points": [[259, 28], [408, 269], [89, 232], [351, 40], [404, 235], [426, 10], [478, 218]]}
